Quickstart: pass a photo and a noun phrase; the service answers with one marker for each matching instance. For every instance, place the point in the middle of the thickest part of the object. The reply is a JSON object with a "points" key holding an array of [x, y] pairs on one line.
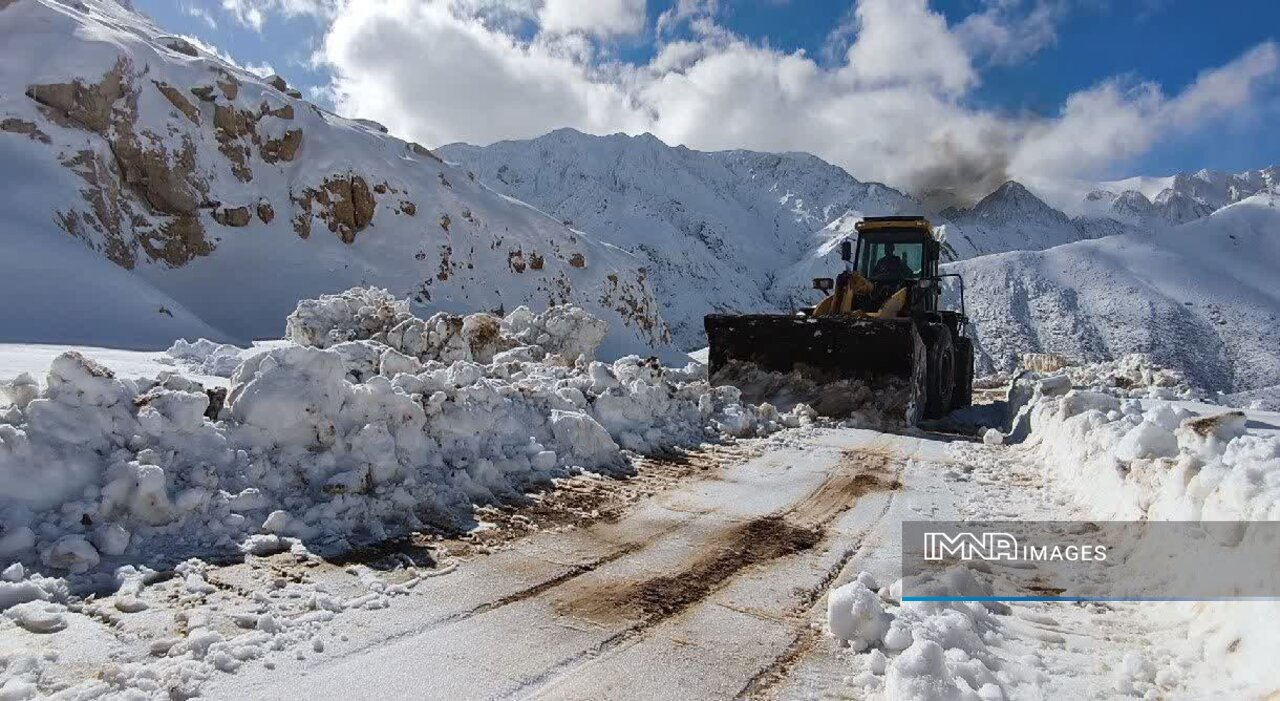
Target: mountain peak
{"points": [[1012, 196]]}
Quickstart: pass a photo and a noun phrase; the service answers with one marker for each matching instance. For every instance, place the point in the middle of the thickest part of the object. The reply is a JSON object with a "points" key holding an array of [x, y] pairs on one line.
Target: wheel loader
{"points": [[878, 331]]}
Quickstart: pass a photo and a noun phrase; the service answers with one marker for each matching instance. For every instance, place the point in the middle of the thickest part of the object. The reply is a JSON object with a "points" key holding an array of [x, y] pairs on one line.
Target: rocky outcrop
{"points": [[25, 128], [177, 242], [577, 260], [266, 212], [145, 196], [82, 105], [235, 130], [175, 98], [284, 148], [283, 112], [229, 85], [179, 45], [421, 150], [345, 204], [232, 216]]}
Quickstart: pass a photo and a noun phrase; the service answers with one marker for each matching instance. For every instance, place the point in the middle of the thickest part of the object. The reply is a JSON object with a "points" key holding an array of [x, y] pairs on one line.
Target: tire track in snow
{"points": [[801, 526]]}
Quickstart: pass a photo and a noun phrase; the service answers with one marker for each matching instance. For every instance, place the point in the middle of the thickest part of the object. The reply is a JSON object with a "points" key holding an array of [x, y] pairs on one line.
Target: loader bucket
{"points": [[836, 364]]}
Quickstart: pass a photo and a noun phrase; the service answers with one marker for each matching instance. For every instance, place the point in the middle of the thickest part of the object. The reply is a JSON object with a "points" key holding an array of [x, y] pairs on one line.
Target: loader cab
{"points": [[896, 251], [907, 239]]}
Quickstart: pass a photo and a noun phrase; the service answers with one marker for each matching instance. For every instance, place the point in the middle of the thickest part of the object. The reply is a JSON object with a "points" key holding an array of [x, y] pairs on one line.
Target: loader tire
{"points": [[940, 372], [962, 396]]}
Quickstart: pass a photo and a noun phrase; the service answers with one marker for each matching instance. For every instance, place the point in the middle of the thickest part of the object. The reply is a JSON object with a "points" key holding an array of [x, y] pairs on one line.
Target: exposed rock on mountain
{"points": [[153, 157]]}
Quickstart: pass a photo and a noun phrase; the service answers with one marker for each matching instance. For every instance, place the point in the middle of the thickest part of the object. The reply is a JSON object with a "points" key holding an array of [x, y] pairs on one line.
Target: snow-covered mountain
{"points": [[152, 191], [1200, 297], [714, 229], [1178, 198], [747, 231], [735, 230], [1009, 219]]}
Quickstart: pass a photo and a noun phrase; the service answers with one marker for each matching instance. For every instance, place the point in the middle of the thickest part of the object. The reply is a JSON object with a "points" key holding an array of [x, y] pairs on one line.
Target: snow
{"points": [[87, 251], [855, 615], [1118, 440], [714, 229], [17, 359], [1195, 298], [1122, 458], [332, 446], [923, 650]]}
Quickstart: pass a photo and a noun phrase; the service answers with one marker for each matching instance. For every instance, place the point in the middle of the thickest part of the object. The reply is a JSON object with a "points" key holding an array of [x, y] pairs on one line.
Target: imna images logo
{"points": [[994, 546]]}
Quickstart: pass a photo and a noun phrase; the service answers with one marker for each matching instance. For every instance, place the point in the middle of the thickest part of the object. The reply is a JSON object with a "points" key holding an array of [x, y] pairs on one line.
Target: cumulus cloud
{"points": [[1113, 121], [894, 104], [437, 75], [596, 17]]}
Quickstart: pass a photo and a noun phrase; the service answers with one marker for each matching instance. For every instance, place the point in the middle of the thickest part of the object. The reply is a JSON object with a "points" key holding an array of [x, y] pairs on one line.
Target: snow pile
{"points": [[1157, 462], [335, 446], [564, 332], [205, 357], [1125, 459], [887, 401], [358, 313], [1133, 375], [925, 650]]}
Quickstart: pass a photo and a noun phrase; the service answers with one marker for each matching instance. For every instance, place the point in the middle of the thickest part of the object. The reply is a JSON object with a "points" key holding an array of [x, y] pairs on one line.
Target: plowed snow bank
{"points": [[372, 422]]}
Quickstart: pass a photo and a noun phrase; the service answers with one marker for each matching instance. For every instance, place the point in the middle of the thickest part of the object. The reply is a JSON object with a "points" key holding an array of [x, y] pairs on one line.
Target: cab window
{"points": [[876, 263]]}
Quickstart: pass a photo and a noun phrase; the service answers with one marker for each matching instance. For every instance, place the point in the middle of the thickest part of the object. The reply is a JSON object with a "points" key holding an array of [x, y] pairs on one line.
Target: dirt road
{"points": [[703, 590]]}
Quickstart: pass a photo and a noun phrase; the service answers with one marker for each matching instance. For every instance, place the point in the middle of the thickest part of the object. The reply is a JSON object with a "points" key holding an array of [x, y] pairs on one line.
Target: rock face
{"points": [[148, 155], [343, 202], [232, 216]]}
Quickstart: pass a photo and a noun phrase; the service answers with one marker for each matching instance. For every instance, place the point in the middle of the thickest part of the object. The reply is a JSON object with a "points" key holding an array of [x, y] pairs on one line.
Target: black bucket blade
{"points": [[884, 355]]}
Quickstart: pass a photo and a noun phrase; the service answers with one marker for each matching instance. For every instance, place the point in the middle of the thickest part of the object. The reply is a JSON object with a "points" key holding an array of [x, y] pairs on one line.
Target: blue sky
{"points": [[1083, 44]]}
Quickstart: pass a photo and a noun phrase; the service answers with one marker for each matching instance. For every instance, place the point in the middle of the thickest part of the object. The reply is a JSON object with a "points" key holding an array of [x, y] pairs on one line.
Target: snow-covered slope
{"points": [[714, 228], [153, 191], [1200, 297]]}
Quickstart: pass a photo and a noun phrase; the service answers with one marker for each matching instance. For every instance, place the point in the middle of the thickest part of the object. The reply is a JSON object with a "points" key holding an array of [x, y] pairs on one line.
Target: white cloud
{"points": [[904, 42], [894, 107], [435, 75], [1110, 123], [1006, 32], [686, 11], [201, 14], [595, 17]]}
